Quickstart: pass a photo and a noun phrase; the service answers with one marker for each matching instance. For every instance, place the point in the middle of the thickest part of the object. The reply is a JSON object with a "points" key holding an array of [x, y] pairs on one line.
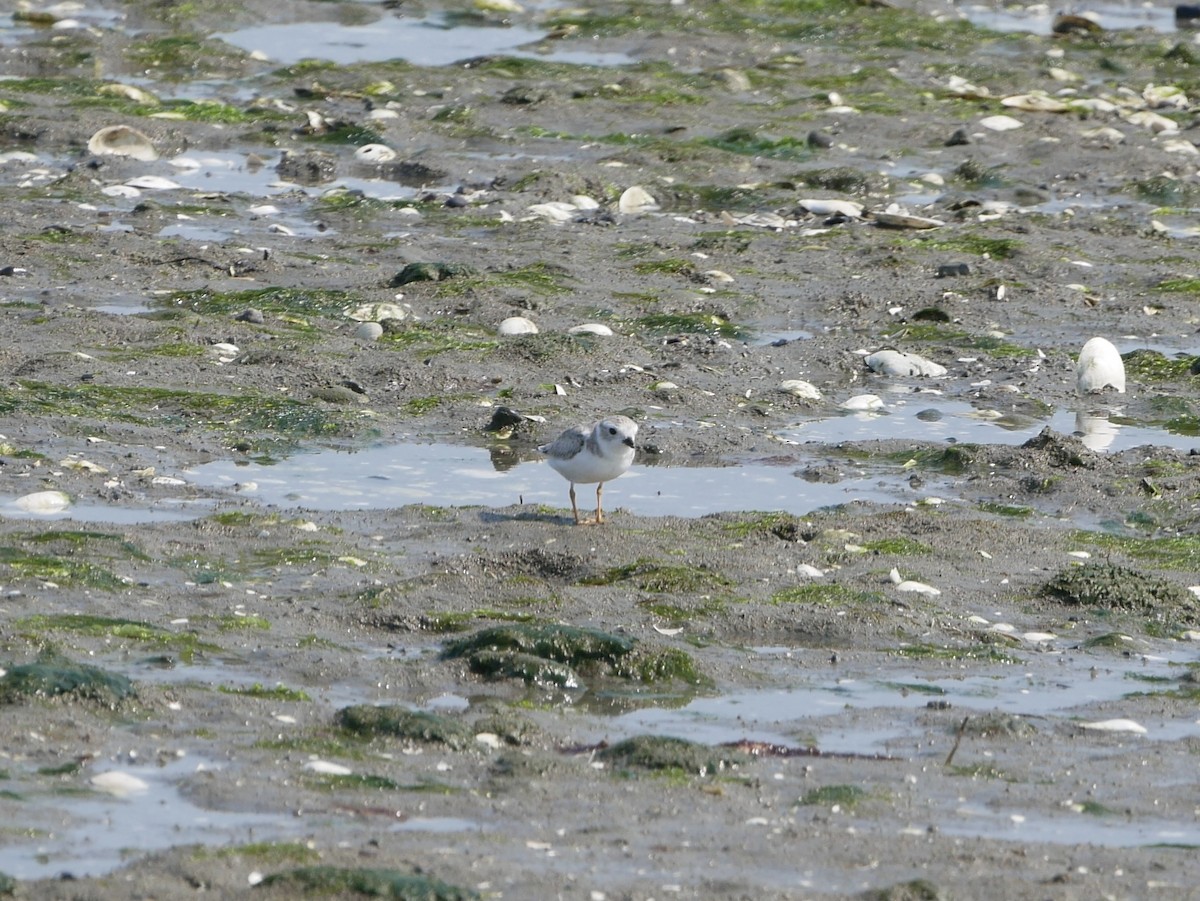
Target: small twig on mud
{"points": [[962, 727]]}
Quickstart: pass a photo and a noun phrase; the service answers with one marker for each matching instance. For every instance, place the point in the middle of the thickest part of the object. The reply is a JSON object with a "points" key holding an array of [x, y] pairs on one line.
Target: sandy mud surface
{"points": [[987, 689]]}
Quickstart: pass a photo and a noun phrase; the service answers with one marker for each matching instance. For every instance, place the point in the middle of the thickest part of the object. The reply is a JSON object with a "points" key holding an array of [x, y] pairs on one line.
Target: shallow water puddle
{"points": [[450, 475], [100, 829], [422, 42], [1038, 18]]}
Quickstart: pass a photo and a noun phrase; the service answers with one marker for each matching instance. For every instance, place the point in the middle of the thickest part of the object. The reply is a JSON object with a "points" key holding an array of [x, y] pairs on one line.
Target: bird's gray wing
{"points": [[566, 445]]}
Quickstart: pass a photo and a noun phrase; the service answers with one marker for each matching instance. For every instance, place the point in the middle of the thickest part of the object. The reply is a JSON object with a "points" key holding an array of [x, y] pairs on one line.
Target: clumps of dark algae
{"points": [[554, 656], [419, 726], [1107, 586], [325, 881], [8, 885], [54, 677], [668, 754]]}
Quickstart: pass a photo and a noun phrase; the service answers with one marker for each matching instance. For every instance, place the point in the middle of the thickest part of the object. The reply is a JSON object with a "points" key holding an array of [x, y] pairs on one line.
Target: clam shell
{"points": [[368, 331], [1035, 103], [591, 328], [906, 220], [636, 200], [802, 389], [1000, 123], [1100, 366], [43, 502], [517, 325], [899, 363], [847, 208], [377, 312], [121, 140]]}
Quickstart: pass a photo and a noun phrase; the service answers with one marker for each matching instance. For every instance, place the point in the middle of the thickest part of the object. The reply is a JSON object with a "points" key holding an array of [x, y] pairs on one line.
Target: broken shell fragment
{"points": [[121, 140], [1000, 123], [1100, 366], [896, 217], [591, 328], [800, 388], [43, 502], [1035, 103], [374, 153]]}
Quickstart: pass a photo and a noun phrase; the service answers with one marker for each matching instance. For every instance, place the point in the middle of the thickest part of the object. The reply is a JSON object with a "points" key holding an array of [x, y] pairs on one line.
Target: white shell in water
{"points": [[898, 363], [1100, 366], [800, 388], [636, 200], [862, 403], [375, 153], [517, 325], [591, 328], [119, 784], [848, 208], [121, 140], [43, 502]]}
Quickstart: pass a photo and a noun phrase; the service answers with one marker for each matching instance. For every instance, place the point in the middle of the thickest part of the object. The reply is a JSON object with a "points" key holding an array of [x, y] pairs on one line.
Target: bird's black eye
{"points": [[611, 430]]}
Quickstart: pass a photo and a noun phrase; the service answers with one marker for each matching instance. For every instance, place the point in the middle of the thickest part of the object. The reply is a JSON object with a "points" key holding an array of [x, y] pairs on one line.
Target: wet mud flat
{"points": [[981, 684]]}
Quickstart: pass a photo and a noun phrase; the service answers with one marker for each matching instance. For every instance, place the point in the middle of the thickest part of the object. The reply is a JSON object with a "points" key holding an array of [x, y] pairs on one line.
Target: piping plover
{"points": [[599, 454]]}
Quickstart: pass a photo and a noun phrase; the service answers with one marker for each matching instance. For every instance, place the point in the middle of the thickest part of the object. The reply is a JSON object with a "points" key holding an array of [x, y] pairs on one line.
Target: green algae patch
{"points": [[665, 754], [368, 721], [528, 668], [1147, 365], [819, 594], [710, 324], [272, 693], [329, 303], [59, 570], [56, 678], [266, 852], [913, 890], [661, 578], [8, 885], [1180, 552], [429, 272], [783, 526], [557, 656], [1107, 587], [898, 546], [332, 881], [845, 796]]}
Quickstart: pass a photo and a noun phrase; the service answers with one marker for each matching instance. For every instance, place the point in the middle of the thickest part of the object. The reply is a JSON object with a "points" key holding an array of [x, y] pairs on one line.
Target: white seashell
{"points": [[83, 466], [848, 208], [490, 740], [374, 153], [636, 200], [517, 325], [1035, 103], [898, 363], [1038, 637], [264, 209], [910, 585], [802, 389], [121, 140], [1105, 135], [583, 202], [326, 768], [167, 481], [1000, 123], [129, 92], [120, 191], [894, 217], [1100, 366], [368, 331], [153, 183], [555, 210], [1165, 96], [591, 328], [1115, 726], [1179, 145], [43, 502], [809, 571], [377, 312], [718, 275], [862, 403], [119, 784], [225, 349], [663, 630], [1153, 121]]}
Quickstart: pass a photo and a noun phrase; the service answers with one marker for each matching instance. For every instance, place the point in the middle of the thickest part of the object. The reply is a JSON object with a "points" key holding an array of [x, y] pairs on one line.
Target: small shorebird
{"points": [[583, 455]]}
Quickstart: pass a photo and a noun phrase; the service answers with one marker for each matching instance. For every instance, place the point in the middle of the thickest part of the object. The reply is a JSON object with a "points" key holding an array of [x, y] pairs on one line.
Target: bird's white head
{"points": [[617, 430]]}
